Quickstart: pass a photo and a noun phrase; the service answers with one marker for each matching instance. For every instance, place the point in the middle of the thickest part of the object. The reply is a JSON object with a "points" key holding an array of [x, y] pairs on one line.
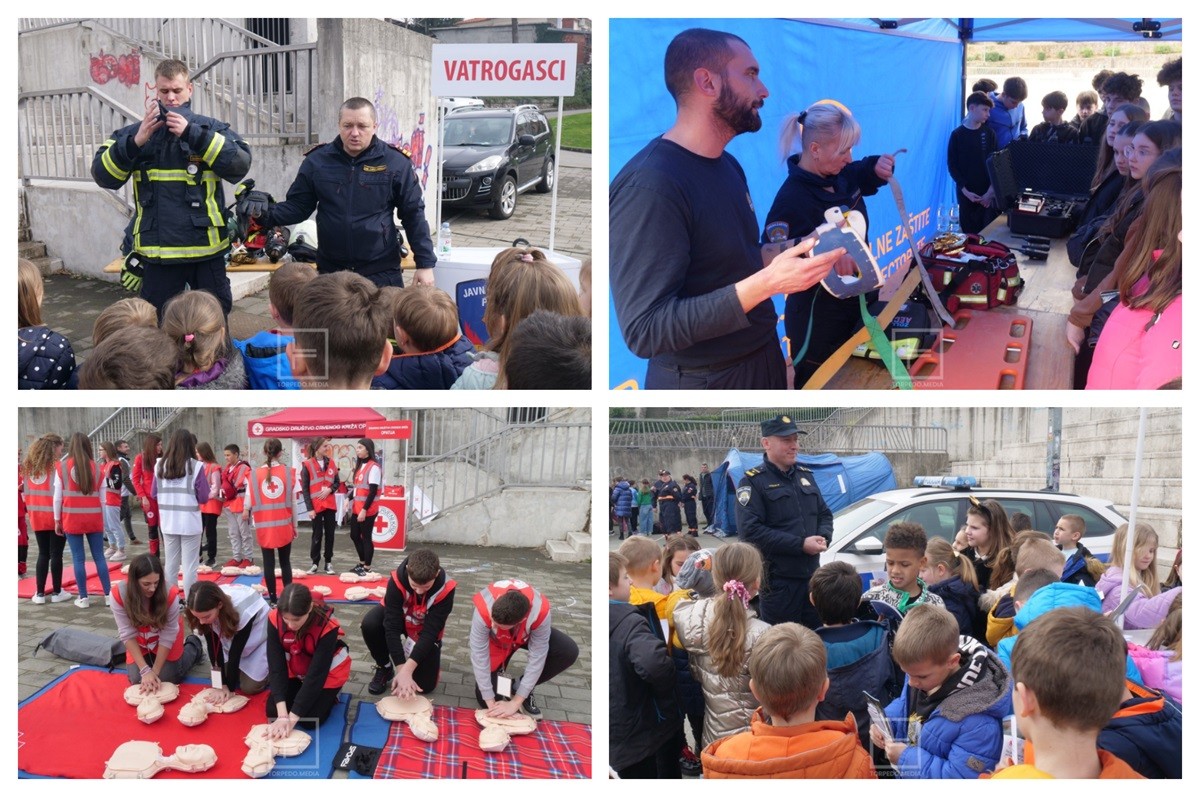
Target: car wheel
{"points": [[506, 199], [547, 182]]}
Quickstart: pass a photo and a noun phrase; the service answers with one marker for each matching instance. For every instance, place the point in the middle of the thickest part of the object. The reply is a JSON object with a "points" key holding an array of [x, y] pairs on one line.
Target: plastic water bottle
{"points": [[443, 245]]}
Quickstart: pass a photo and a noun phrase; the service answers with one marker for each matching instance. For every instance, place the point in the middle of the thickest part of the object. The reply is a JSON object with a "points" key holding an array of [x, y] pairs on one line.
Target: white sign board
{"points": [[504, 70]]}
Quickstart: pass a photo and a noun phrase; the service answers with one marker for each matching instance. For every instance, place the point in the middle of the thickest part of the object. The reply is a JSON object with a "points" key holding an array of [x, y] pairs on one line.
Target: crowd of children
{"points": [[334, 331], [994, 655]]}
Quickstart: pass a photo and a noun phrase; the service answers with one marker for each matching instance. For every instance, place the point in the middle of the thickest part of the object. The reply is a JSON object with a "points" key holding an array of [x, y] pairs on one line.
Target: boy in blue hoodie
{"points": [[946, 721], [1081, 567], [430, 352], [856, 651], [265, 353]]}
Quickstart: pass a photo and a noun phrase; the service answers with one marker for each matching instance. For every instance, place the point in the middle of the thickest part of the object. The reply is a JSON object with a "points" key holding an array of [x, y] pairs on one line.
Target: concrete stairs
{"points": [[577, 547], [34, 251]]}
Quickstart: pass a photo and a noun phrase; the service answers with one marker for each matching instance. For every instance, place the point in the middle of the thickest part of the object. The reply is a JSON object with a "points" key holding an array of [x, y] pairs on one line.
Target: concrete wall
{"points": [[514, 518], [80, 224], [499, 34], [76, 56]]}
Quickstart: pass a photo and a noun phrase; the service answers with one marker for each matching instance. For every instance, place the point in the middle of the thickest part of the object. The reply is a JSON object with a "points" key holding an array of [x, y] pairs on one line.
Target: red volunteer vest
{"points": [[271, 507], [321, 478], [81, 514], [503, 643], [39, 501], [213, 505], [112, 497], [299, 649], [147, 636], [362, 487], [417, 606]]}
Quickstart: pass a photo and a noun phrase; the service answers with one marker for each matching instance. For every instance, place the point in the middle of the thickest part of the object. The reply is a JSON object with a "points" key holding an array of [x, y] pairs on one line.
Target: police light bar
{"points": [[946, 481]]}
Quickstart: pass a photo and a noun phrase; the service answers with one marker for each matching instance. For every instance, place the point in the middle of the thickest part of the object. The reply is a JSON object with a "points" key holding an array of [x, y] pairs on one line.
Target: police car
{"points": [[939, 504]]}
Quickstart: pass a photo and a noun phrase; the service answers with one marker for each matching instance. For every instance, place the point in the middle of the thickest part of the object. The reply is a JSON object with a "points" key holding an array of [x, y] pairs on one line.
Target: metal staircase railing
{"points": [[126, 422], [262, 93], [549, 455], [60, 131]]}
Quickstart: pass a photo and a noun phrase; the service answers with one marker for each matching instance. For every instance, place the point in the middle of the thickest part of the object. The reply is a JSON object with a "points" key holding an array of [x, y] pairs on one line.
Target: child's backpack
{"points": [[75, 644], [267, 365]]}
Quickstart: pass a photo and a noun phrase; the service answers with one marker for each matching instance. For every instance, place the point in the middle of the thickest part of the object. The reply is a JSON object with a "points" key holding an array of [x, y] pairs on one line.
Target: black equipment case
{"points": [[1043, 186]]}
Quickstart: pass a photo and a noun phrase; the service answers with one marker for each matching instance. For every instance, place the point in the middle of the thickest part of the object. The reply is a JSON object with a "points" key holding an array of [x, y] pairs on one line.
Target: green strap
{"points": [[883, 346]]}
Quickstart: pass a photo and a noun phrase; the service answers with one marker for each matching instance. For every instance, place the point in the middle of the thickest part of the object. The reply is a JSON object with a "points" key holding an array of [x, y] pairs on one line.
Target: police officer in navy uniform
{"points": [[780, 511], [668, 495], [354, 183], [176, 160]]}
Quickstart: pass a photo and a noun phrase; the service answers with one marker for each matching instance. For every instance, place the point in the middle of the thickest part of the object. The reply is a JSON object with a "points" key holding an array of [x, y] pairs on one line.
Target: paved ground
{"points": [[567, 697], [72, 303]]}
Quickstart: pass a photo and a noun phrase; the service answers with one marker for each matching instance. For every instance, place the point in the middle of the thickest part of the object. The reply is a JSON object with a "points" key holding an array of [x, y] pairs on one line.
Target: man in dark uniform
{"points": [[781, 512], [176, 160], [706, 494], [667, 493], [355, 183]]}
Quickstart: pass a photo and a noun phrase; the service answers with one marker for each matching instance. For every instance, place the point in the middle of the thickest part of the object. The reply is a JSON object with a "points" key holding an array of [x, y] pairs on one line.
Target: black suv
{"points": [[493, 154]]}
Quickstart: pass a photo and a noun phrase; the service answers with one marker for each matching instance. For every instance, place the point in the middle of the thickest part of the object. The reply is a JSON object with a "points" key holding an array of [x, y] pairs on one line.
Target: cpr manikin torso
{"points": [[498, 731], [362, 593], [142, 760], [198, 708], [150, 704], [417, 711], [259, 762]]}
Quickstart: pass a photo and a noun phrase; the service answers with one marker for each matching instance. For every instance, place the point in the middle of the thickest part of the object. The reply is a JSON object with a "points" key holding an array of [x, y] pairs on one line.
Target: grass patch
{"points": [[577, 130]]}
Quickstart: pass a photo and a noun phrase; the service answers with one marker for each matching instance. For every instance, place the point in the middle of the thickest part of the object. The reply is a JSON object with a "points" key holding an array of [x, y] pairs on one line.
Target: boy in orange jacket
{"points": [[787, 675]]}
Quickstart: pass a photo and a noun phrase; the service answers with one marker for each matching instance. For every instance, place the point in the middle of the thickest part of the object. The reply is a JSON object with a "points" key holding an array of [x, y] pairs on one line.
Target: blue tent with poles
{"points": [[902, 78], [842, 480]]}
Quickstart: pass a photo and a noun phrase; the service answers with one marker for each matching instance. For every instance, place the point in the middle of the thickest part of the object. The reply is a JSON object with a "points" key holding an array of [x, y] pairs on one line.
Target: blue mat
{"points": [[369, 729]]}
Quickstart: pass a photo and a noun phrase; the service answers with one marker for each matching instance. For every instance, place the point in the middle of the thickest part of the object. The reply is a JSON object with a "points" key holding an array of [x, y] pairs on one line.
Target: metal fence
{"points": [[821, 436], [60, 131], [263, 93], [542, 455]]}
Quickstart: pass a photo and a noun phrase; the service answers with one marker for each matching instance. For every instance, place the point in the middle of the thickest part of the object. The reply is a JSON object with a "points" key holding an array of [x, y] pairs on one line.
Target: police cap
{"points": [[780, 426]]}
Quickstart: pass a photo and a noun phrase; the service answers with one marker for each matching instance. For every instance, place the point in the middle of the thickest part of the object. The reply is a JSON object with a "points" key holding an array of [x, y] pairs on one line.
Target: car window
{"points": [[939, 519], [1097, 525], [485, 132], [525, 126]]}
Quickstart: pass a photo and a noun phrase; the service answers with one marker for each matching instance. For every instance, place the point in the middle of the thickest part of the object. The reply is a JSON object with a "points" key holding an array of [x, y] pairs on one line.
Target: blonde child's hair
{"points": [[1073, 660], [30, 289], [939, 551], [1144, 537], [788, 668], [639, 553], [616, 563], [428, 317], [1075, 524], [195, 322], [1038, 554], [523, 280], [129, 312], [927, 633], [683, 542], [284, 286], [737, 563], [133, 358], [585, 287], [1169, 634]]}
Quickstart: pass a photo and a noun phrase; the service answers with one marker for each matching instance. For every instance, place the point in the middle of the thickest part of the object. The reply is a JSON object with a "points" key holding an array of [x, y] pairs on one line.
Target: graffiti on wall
{"points": [[390, 131], [125, 69]]}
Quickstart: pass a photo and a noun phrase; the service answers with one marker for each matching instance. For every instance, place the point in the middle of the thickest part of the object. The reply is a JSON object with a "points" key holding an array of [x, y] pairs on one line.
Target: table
{"points": [[1046, 300]]}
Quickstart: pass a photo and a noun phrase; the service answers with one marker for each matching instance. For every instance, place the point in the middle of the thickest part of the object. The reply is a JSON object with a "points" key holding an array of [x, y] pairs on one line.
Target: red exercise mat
{"points": [[554, 750], [70, 729], [27, 587]]}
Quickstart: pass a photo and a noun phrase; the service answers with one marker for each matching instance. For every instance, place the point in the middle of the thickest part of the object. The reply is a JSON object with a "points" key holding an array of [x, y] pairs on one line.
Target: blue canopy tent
{"points": [[904, 85], [842, 480]]}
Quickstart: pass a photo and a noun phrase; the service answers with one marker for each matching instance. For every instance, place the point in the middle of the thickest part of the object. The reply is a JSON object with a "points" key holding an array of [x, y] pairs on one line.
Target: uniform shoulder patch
{"points": [[753, 472], [313, 149], [743, 494]]}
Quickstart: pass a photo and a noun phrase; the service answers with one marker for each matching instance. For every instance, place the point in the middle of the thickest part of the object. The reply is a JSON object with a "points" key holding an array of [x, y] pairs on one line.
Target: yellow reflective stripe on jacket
{"points": [[110, 165], [217, 241], [214, 149]]}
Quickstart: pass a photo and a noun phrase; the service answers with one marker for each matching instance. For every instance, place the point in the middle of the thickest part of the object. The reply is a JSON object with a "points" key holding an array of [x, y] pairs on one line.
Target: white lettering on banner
{"points": [[463, 70]]}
